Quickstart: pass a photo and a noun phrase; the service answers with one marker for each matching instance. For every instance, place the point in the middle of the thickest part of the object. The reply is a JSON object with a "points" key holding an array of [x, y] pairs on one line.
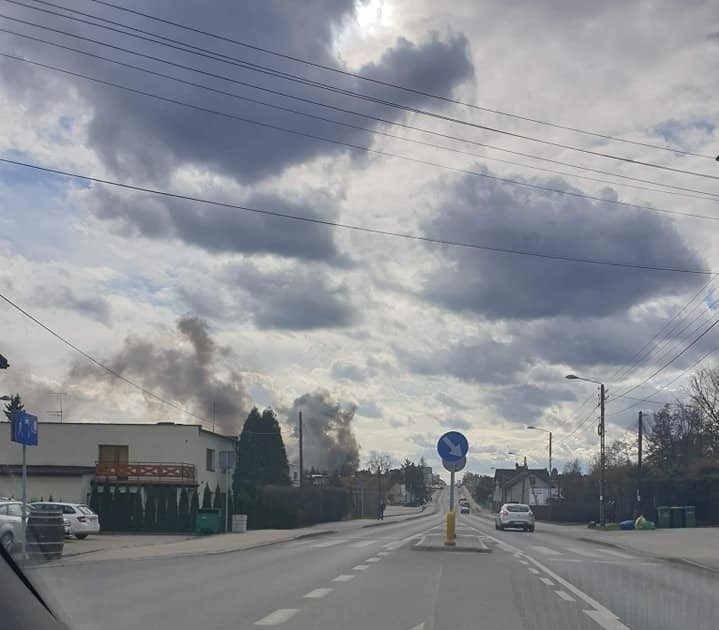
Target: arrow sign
{"points": [[452, 446]]}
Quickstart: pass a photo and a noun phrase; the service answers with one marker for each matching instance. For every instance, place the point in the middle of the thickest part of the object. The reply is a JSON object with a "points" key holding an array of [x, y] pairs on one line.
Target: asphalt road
{"points": [[372, 578]]}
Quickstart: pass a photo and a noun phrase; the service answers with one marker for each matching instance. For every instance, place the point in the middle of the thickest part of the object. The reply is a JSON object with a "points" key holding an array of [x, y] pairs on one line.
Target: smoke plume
{"points": [[329, 443], [188, 369]]}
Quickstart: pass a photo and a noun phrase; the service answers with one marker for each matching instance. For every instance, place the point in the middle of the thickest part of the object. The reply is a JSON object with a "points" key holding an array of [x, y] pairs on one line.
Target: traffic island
{"points": [[463, 542]]}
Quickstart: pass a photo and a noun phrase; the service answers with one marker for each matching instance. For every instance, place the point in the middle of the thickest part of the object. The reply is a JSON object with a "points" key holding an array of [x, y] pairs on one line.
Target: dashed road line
{"points": [[373, 559], [360, 567], [524, 562], [383, 553], [546, 581], [344, 578], [533, 570], [279, 616], [318, 593], [607, 621], [565, 596]]}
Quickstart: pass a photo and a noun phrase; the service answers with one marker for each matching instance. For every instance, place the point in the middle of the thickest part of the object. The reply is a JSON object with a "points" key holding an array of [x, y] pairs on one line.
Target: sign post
{"points": [[452, 448], [23, 430]]}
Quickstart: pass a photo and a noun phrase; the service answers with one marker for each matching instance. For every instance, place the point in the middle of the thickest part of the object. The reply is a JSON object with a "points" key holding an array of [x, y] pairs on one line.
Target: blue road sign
{"points": [[452, 446], [24, 428]]}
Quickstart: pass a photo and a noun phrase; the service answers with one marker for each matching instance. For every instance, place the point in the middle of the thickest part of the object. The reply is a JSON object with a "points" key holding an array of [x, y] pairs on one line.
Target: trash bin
{"points": [[239, 523], [677, 516], [690, 519], [207, 521], [45, 534], [663, 518]]}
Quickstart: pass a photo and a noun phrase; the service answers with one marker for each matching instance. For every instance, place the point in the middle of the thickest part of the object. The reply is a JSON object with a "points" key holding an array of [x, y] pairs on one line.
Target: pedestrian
{"points": [[380, 510]]}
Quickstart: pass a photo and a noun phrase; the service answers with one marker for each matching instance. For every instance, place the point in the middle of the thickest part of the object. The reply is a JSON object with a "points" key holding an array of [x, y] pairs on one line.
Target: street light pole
{"points": [[600, 430], [531, 426]]}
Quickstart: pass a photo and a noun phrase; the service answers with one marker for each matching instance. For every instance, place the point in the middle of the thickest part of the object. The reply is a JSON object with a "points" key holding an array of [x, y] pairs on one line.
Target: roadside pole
{"points": [[452, 448], [602, 459], [24, 432], [24, 501], [450, 538]]}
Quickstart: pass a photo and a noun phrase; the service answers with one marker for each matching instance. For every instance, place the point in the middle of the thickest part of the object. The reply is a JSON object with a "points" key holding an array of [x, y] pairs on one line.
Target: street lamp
{"points": [[531, 426], [602, 462]]}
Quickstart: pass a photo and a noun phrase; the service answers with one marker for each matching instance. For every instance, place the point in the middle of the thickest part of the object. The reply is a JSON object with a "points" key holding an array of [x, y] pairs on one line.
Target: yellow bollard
{"points": [[450, 536]]}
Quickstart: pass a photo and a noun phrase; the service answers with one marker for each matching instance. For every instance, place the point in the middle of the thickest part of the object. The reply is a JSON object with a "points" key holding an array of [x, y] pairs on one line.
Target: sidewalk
{"points": [[178, 546]]}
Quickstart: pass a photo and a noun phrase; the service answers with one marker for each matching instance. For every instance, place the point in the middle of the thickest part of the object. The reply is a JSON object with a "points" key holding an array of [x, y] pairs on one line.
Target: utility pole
{"points": [[550, 454], [213, 415], [640, 436], [602, 461], [302, 474]]}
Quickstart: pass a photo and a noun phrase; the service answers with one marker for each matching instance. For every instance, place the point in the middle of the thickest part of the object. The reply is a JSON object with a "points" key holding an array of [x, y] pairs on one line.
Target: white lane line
{"points": [[344, 578], [328, 543], [318, 593], [360, 567], [547, 581], [362, 543], [533, 570], [565, 596], [524, 562], [373, 559], [547, 551], [279, 616], [383, 553], [583, 552], [607, 621], [617, 554], [419, 626], [565, 560]]}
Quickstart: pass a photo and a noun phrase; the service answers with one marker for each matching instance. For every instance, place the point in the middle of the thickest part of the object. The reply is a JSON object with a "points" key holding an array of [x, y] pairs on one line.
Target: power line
{"points": [[358, 228], [701, 194], [377, 81], [304, 81], [99, 364], [366, 149]]}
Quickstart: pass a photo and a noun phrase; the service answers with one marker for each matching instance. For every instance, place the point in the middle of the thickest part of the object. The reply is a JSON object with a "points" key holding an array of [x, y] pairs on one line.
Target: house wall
{"points": [[74, 489]]}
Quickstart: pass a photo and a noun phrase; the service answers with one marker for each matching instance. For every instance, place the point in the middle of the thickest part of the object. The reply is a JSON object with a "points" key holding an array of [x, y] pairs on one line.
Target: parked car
{"points": [[515, 515], [83, 521], [66, 525], [464, 508], [10, 523]]}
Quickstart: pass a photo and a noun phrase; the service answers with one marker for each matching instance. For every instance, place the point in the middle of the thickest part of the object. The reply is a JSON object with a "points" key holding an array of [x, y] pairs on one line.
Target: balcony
{"points": [[155, 473]]}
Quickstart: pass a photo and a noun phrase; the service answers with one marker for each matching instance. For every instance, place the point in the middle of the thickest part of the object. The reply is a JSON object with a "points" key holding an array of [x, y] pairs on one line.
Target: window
{"points": [[14, 509], [210, 459], [113, 453], [68, 509]]}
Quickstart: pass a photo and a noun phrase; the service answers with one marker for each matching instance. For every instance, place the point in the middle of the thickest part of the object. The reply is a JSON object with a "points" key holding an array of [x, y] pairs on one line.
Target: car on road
{"points": [[10, 523], [83, 521], [66, 525], [464, 508], [515, 515]]}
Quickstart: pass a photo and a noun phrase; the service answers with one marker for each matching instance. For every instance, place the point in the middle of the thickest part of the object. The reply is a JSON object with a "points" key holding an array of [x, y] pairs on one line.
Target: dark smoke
{"points": [[193, 377], [329, 441]]}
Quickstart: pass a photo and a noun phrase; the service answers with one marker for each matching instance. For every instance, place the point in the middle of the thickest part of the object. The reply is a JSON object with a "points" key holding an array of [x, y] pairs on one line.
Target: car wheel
{"points": [[7, 541], [80, 536]]}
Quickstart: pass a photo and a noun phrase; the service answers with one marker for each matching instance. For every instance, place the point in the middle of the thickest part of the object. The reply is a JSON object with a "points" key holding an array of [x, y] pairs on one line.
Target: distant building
{"points": [[427, 471], [521, 484], [73, 457], [295, 473]]}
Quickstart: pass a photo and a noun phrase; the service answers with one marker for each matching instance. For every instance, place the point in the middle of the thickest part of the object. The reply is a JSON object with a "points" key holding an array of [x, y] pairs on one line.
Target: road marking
{"points": [[328, 543], [360, 567], [524, 562], [344, 578], [373, 559], [547, 581], [279, 616], [565, 596], [383, 553], [362, 543], [546, 550], [565, 560], [618, 554], [607, 621], [533, 570], [396, 544], [318, 593], [582, 552], [419, 626]]}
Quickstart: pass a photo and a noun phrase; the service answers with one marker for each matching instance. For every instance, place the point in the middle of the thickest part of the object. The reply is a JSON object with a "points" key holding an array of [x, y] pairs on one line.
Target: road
{"points": [[373, 578]]}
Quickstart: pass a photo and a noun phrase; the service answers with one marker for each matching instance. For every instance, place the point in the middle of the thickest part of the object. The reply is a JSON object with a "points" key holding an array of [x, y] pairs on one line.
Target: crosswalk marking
{"points": [[565, 596], [279, 616], [618, 554], [328, 543], [362, 543], [547, 551]]}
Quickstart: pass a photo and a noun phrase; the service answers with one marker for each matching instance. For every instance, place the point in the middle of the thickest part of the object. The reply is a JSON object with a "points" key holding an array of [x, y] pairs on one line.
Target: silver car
{"points": [[11, 523], [515, 515]]}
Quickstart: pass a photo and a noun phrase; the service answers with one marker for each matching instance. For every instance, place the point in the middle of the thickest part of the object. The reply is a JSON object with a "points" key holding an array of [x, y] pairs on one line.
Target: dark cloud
{"points": [[187, 370], [155, 137], [500, 286], [525, 403], [224, 230], [329, 442]]}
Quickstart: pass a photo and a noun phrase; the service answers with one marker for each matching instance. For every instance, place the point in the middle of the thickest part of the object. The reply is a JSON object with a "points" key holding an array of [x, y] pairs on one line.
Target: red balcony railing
{"points": [[148, 472]]}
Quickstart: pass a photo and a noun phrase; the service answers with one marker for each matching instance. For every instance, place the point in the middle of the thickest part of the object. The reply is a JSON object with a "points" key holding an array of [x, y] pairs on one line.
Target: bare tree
{"points": [[379, 463]]}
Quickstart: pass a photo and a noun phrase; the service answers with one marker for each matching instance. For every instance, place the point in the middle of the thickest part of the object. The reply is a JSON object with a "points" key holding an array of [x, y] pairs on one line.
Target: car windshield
{"points": [[396, 314]]}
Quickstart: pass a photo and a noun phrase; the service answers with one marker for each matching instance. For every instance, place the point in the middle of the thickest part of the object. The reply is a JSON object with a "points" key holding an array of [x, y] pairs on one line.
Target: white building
{"points": [[71, 457]]}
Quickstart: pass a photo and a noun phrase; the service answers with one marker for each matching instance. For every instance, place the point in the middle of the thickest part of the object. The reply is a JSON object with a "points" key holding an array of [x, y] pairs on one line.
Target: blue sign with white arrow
{"points": [[452, 446], [24, 428]]}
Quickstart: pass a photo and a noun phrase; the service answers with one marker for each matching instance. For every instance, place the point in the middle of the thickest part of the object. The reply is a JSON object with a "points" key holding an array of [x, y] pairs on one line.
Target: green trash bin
{"points": [[677, 516], [690, 518], [207, 521], [663, 518]]}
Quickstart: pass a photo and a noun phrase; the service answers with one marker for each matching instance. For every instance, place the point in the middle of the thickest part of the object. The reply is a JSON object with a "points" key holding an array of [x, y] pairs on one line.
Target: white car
{"points": [[517, 515], [83, 521], [10, 523]]}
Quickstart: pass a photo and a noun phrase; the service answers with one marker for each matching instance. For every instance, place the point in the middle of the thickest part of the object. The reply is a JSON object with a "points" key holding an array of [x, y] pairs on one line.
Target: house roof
{"points": [[522, 473]]}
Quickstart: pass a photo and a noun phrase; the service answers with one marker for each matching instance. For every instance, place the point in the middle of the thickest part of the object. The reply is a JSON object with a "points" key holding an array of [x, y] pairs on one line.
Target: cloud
{"points": [[348, 371], [458, 423], [93, 306], [370, 409], [500, 286]]}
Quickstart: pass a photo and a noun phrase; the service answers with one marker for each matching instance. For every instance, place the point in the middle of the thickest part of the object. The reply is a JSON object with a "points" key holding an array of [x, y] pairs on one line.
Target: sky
{"points": [[212, 308]]}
